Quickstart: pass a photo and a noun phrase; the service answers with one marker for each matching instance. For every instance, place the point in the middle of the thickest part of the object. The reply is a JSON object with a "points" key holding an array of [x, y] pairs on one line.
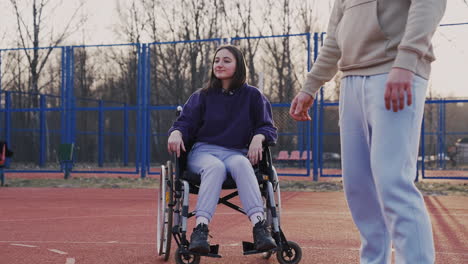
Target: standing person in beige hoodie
{"points": [[383, 48]]}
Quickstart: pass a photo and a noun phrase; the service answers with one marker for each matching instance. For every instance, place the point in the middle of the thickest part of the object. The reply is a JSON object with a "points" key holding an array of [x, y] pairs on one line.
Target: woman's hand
{"points": [[175, 143], [256, 149]]}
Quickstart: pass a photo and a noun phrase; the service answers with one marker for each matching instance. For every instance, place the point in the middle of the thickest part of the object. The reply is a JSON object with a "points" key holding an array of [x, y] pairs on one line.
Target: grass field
{"points": [[426, 187]]}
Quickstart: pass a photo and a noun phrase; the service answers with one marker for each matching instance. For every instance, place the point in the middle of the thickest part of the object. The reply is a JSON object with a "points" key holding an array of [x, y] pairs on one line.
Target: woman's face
{"points": [[224, 65]]}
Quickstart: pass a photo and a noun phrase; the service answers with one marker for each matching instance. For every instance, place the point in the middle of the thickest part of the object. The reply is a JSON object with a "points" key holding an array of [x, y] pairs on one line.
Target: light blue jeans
{"points": [[379, 154], [212, 163]]}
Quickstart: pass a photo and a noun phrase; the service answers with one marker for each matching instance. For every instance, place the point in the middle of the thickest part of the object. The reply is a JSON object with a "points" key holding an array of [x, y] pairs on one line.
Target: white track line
{"points": [[82, 242], [23, 245], [72, 217], [69, 260], [58, 251]]}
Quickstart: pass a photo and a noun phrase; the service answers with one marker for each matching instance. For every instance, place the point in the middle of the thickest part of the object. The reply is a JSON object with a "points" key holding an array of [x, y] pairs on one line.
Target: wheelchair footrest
{"points": [[213, 252], [249, 248]]}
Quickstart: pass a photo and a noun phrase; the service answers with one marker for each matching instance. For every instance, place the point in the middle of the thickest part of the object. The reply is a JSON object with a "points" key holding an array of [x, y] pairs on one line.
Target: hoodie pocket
{"points": [[359, 36]]}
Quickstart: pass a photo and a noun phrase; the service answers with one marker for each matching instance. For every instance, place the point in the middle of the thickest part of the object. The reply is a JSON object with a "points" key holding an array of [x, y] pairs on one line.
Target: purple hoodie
{"points": [[226, 119]]}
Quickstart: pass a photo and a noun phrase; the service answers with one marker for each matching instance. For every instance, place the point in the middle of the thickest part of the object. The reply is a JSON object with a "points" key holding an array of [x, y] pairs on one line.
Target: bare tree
{"points": [[280, 52], [34, 30], [239, 17], [33, 35], [132, 21]]}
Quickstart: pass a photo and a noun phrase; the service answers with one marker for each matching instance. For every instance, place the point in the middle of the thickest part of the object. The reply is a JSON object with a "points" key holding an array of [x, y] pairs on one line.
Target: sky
{"points": [[449, 72]]}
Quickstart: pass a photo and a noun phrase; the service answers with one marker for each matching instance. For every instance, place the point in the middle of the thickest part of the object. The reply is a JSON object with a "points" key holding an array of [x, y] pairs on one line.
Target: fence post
{"points": [[422, 148], [66, 105], [315, 153], [308, 123], [125, 135], [320, 128], [7, 117], [101, 134], [144, 113], [42, 131], [72, 105], [63, 98], [147, 110], [440, 135], [138, 111], [1, 89], [142, 126]]}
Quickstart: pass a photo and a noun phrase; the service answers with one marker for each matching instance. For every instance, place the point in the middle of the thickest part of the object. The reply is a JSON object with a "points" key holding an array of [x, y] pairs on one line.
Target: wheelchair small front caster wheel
{"points": [[186, 258], [293, 255], [267, 255]]}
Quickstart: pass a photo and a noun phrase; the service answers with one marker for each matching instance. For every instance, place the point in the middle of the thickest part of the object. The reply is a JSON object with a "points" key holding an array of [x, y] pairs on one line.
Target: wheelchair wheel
{"points": [[291, 256], [186, 258], [164, 221]]}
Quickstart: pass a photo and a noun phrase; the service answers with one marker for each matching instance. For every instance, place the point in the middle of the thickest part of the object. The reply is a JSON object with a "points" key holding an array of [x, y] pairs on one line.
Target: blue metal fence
{"points": [[141, 135]]}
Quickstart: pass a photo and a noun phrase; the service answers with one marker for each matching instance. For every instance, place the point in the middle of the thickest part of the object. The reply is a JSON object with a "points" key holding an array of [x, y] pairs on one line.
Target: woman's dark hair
{"points": [[240, 76]]}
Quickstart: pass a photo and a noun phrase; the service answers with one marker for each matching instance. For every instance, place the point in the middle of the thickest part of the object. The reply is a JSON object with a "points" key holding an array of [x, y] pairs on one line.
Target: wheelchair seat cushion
{"points": [[195, 179]]}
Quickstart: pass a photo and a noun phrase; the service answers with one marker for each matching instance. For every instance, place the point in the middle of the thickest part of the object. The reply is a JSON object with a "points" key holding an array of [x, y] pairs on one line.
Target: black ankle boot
{"points": [[262, 237], [199, 239]]}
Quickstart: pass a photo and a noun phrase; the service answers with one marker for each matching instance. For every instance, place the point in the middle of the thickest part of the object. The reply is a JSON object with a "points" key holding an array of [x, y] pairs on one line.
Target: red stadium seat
{"points": [[295, 155], [283, 155], [304, 155]]}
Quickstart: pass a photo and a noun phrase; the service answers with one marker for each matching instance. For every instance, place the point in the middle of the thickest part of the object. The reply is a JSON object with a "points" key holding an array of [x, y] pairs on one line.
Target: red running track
{"points": [[118, 226]]}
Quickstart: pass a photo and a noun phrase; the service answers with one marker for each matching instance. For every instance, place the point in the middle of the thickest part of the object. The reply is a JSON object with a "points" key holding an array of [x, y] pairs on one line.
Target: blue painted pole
{"points": [[101, 135], [321, 110], [69, 66], [42, 131], [147, 110], [68, 137], [315, 121], [308, 123], [444, 132], [63, 97], [144, 137], [141, 112], [316, 46], [423, 150], [309, 60], [439, 137], [72, 97], [8, 117], [1, 89], [145, 116], [2, 177], [125, 135], [138, 121]]}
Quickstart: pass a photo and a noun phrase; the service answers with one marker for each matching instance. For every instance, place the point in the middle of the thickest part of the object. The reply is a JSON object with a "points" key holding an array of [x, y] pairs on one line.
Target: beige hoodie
{"points": [[368, 37]]}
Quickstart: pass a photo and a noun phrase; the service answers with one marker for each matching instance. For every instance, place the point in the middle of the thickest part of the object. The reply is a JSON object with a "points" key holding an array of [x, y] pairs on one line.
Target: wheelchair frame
{"points": [[173, 205]]}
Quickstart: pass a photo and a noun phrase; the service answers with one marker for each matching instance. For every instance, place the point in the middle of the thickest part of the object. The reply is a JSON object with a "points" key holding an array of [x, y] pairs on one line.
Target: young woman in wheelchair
{"points": [[228, 121]]}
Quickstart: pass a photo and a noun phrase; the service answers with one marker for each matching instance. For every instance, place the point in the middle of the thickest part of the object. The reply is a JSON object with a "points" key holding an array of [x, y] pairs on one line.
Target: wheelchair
{"points": [[177, 183]]}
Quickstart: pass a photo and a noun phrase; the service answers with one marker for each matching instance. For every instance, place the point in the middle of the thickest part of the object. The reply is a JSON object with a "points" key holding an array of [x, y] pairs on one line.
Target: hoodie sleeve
{"points": [[264, 123], [326, 66], [423, 19], [190, 119]]}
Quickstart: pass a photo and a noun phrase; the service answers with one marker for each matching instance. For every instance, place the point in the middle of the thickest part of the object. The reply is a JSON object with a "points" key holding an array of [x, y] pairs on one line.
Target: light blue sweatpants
{"points": [[212, 163], [379, 154]]}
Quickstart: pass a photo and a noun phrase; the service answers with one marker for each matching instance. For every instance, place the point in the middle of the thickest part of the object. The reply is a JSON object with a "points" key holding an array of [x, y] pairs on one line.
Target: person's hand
{"points": [[175, 143], [300, 106], [399, 82], [256, 149]]}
